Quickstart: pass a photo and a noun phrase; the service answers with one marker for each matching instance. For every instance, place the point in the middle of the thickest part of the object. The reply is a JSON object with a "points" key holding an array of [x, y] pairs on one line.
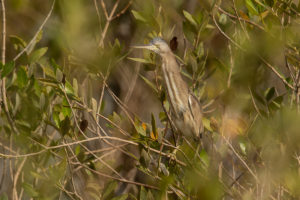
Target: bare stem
{"points": [[108, 20]]}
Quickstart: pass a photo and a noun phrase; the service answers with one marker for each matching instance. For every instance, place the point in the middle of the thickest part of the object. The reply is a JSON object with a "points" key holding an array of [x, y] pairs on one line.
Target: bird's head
{"points": [[157, 45]]}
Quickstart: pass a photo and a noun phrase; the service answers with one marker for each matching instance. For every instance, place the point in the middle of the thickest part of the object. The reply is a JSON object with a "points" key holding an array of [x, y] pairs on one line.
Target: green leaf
{"points": [[39, 36], [269, 94], [190, 18], [162, 116], [140, 129], [243, 147], [276, 103], [121, 197], [153, 136], [188, 30], [109, 189], [141, 60], [66, 110], [143, 194], [65, 126], [56, 119], [138, 16], [37, 54], [48, 71], [30, 190], [69, 89], [223, 19], [54, 65], [206, 123], [77, 150], [17, 41], [209, 26], [150, 195], [37, 175], [7, 68], [59, 75], [204, 157], [251, 7], [22, 78], [149, 83], [75, 86]]}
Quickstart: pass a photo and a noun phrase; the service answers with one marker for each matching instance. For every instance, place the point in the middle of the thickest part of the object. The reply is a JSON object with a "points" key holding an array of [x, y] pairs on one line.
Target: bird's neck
{"points": [[169, 63], [175, 85]]}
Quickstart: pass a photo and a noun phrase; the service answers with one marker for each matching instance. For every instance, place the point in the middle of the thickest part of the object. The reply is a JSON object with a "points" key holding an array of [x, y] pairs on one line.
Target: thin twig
{"points": [[84, 141], [3, 81], [108, 20], [253, 101], [231, 66], [119, 179], [276, 72], [132, 83], [122, 11], [3, 32], [98, 15], [104, 9], [290, 70], [120, 103], [37, 33], [71, 170], [16, 177], [261, 58], [238, 17], [239, 157]]}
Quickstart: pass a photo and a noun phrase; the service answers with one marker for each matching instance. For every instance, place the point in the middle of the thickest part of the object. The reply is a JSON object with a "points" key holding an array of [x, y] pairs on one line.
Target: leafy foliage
{"points": [[76, 122]]}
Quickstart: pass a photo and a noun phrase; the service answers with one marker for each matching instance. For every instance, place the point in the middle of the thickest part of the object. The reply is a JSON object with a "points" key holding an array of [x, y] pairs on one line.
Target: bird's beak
{"points": [[149, 46]]}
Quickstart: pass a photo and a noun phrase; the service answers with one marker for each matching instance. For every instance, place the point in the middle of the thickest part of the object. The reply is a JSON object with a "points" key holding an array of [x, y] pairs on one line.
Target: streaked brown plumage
{"points": [[185, 107]]}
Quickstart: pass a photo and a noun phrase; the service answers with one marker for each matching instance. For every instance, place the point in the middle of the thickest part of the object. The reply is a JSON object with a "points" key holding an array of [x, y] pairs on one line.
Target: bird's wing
{"points": [[192, 103], [195, 105]]}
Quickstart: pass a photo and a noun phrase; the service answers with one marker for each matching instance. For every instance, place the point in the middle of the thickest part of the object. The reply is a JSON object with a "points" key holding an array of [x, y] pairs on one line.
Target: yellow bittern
{"points": [[185, 108]]}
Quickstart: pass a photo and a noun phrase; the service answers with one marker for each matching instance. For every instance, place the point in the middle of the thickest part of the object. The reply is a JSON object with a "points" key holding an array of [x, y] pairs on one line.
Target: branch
{"points": [[3, 32], [3, 81], [15, 193], [261, 58], [37, 33], [110, 17]]}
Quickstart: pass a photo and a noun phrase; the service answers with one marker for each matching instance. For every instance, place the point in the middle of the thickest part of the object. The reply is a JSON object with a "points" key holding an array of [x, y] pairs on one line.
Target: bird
{"points": [[186, 110]]}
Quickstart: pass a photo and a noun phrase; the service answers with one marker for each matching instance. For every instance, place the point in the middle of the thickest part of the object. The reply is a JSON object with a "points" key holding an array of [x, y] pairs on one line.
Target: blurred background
{"points": [[85, 116]]}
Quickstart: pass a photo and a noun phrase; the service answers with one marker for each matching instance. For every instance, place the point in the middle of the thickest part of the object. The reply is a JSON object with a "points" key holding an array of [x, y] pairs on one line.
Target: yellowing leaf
{"points": [[206, 124], [141, 60], [149, 83], [144, 126], [243, 15], [190, 18], [138, 16], [153, 136], [264, 14]]}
